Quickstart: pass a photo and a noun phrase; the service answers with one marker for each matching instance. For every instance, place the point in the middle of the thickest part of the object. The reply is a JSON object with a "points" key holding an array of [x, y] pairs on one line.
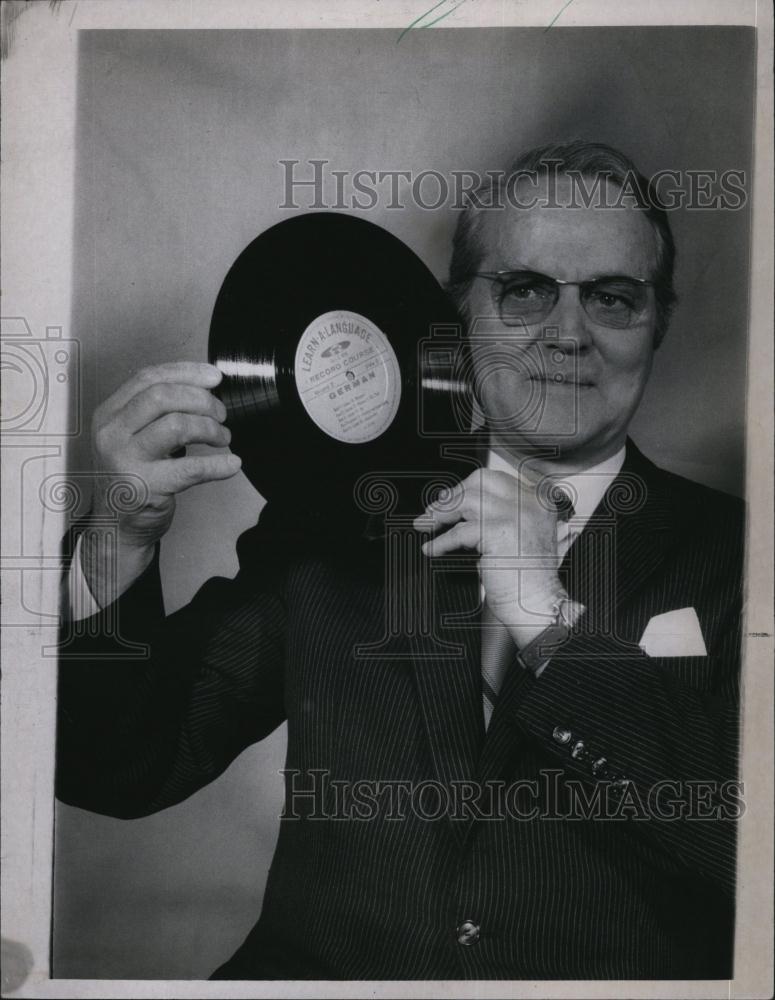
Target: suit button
{"points": [[468, 933], [579, 751], [561, 735]]}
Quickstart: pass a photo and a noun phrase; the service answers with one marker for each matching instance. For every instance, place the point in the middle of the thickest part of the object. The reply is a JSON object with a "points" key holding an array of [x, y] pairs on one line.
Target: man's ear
{"points": [[664, 315]]}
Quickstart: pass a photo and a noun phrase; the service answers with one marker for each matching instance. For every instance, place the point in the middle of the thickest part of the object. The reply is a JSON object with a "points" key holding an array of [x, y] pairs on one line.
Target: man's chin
{"points": [[558, 440], [555, 429]]}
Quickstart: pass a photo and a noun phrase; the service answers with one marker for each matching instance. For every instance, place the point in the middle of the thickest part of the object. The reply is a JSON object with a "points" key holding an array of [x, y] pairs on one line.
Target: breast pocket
{"points": [[695, 671]]}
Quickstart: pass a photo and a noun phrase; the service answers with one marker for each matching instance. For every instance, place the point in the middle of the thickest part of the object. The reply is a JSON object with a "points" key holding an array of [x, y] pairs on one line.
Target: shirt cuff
{"points": [[78, 599]]}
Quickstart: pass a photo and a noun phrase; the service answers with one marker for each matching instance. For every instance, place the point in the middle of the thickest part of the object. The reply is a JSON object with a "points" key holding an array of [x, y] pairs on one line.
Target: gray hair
{"points": [[591, 160]]}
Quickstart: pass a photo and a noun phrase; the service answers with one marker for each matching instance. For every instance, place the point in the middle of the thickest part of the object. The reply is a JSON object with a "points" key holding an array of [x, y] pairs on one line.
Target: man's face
{"points": [[603, 370]]}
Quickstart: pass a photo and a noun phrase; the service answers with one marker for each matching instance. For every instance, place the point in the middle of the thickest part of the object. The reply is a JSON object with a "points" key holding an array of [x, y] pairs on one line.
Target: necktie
{"points": [[498, 648]]}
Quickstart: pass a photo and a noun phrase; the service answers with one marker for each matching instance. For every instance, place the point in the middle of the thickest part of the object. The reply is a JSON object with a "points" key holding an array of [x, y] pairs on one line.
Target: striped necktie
{"points": [[498, 647]]}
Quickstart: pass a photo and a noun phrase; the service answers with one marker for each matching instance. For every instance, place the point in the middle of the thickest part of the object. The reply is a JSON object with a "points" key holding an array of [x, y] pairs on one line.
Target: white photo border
{"points": [[38, 141]]}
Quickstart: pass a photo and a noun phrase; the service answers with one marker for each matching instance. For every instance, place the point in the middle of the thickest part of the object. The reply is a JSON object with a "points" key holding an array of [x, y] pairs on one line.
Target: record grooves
{"points": [[342, 357]]}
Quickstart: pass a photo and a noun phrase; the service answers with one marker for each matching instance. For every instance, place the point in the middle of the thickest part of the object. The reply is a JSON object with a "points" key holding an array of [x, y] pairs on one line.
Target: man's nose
{"points": [[568, 326]]}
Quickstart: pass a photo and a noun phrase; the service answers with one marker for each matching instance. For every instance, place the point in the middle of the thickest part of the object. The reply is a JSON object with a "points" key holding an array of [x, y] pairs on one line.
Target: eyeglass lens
{"points": [[527, 297]]}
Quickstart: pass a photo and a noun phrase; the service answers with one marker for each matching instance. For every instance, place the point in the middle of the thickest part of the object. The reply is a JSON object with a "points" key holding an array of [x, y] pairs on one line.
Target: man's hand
{"points": [[502, 518], [134, 435]]}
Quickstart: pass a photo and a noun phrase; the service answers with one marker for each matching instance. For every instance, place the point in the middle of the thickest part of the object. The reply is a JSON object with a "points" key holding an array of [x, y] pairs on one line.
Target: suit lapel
{"points": [[438, 628], [446, 663], [432, 620], [625, 540]]}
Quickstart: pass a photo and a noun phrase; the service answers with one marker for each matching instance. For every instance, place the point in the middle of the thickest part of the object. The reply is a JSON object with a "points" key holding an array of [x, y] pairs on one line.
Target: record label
{"points": [[347, 376]]}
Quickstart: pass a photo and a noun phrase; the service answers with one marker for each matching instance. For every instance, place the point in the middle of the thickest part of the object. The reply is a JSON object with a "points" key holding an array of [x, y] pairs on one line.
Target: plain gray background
{"points": [[179, 138]]}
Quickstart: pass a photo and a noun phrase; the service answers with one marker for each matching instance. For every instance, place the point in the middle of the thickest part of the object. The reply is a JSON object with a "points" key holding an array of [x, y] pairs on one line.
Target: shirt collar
{"points": [[587, 488]]}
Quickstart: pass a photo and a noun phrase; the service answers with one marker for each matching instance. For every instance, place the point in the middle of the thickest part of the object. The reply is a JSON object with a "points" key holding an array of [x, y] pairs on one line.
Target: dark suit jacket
{"points": [[386, 691]]}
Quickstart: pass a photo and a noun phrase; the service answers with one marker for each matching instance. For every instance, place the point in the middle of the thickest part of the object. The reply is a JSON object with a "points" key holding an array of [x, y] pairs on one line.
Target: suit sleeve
{"points": [[152, 707], [658, 736]]}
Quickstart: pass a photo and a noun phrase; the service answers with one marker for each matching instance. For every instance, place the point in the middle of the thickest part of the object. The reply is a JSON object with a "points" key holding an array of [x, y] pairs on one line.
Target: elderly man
{"points": [[552, 798]]}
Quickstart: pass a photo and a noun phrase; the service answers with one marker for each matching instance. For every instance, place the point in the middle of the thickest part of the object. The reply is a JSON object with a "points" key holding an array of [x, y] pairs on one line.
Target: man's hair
{"points": [[589, 160]]}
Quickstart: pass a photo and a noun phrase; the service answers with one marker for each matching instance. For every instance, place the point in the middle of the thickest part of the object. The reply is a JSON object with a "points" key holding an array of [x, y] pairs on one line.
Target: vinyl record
{"points": [[341, 357]]}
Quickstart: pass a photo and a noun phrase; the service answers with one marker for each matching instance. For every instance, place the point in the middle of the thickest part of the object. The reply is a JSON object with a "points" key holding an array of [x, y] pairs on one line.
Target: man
{"points": [[538, 785]]}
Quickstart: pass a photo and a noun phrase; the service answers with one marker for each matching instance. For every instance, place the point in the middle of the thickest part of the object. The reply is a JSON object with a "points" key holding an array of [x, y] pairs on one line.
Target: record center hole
{"points": [[350, 375]]}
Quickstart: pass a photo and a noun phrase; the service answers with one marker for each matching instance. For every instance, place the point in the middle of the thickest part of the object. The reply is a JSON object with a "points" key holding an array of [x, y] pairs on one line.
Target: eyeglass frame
{"points": [[496, 276]]}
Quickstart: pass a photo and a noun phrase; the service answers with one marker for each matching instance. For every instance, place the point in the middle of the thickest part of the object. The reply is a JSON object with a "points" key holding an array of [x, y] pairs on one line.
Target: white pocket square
{"points": [[675, 633]]}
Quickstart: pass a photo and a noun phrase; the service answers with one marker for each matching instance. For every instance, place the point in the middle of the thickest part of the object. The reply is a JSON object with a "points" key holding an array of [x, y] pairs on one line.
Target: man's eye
{"points": [[610, 299], [518, 292], [525, 291]]}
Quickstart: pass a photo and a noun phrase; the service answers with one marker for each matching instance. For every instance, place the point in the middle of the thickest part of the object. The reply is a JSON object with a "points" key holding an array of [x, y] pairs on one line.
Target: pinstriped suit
{"points": [[383, 896]]}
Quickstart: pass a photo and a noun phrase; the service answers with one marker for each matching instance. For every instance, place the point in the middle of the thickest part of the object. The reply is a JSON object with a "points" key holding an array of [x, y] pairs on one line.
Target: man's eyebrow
{"points": [[616, 276], [518, 266], [601, 276]]}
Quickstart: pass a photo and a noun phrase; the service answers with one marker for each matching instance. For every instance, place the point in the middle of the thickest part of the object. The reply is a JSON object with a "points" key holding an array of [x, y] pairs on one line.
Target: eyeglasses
{"points": [[529, 297]]}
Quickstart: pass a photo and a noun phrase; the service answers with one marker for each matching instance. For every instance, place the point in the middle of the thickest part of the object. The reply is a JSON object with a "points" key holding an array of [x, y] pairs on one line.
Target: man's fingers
{"points": [[466, 507], [472, 504], [471, 495], [463, 535], [504, 483], [176, 430], [160, 399], [173, 475], [436, 518], [452, 505], [184, 372], [488, 480]]}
